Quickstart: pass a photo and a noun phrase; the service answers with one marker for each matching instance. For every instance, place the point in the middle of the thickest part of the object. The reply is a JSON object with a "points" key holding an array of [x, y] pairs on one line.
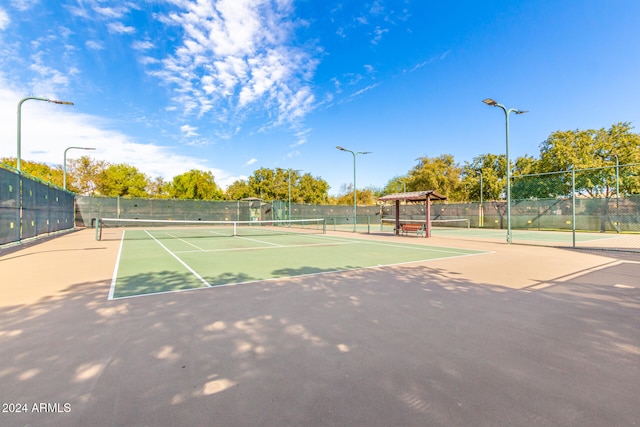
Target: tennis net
{"points": [[111, 228]]}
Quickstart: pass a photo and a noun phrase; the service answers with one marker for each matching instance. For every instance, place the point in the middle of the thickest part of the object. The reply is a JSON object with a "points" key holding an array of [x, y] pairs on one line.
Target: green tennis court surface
{"points": [[524, 235], [157, 261]]}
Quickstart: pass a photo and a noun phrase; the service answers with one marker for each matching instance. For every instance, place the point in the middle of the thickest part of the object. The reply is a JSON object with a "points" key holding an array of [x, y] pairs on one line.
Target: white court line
{"points": [[260, 241], [321, 273], [411, 246], [115, 270], [182, 240], [180, 261], [255, 248]]}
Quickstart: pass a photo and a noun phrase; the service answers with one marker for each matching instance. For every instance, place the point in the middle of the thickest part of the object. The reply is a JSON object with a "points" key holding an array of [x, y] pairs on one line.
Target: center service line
{"points": [[180, 261]]}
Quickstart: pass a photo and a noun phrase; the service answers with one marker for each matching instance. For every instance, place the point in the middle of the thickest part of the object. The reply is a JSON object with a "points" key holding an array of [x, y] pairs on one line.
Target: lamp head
{"points": [[55, 101], [490, 102]]}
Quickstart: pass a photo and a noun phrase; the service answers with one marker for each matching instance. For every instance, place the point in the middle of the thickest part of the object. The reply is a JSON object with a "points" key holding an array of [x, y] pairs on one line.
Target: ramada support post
{"points": [[427, 208], [397, 230], [414, 196]]}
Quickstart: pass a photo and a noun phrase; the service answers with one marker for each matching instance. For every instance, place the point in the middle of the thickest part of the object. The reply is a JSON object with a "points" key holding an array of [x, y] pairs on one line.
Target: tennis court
{"points": [[158, 257], [460, 228], [521, 335], [524, 235]]}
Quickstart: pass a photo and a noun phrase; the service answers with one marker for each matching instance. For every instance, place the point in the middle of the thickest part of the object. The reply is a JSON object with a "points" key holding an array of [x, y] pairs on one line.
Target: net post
{"points": [[235, 229], [324, 226], [97, 228]]}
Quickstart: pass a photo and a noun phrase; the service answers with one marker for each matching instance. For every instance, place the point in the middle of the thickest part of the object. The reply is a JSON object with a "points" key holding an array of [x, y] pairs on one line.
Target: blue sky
{"points": [[234, 85]]}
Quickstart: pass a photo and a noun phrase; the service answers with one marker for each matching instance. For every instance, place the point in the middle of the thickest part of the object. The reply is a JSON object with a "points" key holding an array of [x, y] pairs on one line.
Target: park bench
{"points": [[412, 228]]}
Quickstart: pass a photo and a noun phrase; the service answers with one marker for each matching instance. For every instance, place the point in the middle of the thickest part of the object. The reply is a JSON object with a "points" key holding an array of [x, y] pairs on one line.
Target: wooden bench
{"points": [[411, 228]]}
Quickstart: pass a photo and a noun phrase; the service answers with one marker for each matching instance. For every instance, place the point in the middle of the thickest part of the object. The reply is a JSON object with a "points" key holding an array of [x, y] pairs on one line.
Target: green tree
{"points": [[397, 184], [261, 184], [273, 184], [195, 184], [238, 190], [159, 188], [83, 174], [310, 189], [493, 171], [595, 149], [38, 170], [122, 180], [441, 174], [364, 197]]}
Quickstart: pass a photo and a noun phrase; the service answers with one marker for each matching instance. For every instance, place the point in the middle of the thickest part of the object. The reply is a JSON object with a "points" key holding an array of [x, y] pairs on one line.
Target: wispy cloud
{"points": [[94, 45], [237, 56], [110, 12], [251, 162], [4, 19], [142, 45], [120, 28], [24, 5], [48, 129], [189, 131], [378, 33], [432, 60]]}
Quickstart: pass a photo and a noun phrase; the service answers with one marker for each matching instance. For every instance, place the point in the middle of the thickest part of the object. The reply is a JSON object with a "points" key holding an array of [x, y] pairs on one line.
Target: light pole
{"points": [[355, 153], [54, 101], [295, 170], [493, 103], [64, 163], [617, 195], [481, 210]]}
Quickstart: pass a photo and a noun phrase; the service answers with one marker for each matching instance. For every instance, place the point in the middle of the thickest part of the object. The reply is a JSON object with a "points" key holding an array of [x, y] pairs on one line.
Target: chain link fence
{"points": [[597, 208], [31, 208], [589, 208], [88, 208], [338, 217]]}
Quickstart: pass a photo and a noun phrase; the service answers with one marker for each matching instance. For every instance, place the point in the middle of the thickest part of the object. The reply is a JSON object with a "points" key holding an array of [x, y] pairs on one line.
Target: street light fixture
{"points": [[354, 153], [493, 103], [53, 101], [64, 163]]}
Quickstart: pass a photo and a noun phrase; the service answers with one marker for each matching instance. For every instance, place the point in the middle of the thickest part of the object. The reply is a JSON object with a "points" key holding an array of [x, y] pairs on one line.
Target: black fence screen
{"points": [[31, 208]]}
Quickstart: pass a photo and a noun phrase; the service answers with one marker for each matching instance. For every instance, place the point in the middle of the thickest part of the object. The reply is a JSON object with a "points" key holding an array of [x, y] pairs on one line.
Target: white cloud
{"points": [[236, 56], [24, 5], [49, 80], [251, 162], [189, 131], [120, 28], [378, 33], [94, 45], [4, 19], [110, 12], [48, 129], [142, 45]]}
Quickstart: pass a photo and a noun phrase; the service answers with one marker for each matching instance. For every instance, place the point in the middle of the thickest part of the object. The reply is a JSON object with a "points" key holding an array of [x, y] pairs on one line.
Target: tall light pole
{"points": [[355, 153], [481, 209], [64, 163], [295, 170], [54, 101], [617, 194], [493, 103]]}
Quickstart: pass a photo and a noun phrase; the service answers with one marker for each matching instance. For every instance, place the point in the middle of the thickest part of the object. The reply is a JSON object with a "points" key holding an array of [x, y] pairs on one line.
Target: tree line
{"points": [[481, 178]]}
